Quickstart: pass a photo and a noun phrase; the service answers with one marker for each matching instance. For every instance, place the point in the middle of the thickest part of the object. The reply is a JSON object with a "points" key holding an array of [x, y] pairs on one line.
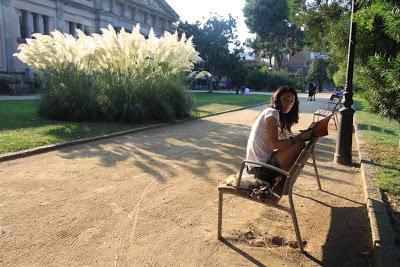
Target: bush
{"points": [[256, 79], [69, 95], [4, 81], [118, 77], [133, 100], [35, 82], [381, 85], [263, 79]]}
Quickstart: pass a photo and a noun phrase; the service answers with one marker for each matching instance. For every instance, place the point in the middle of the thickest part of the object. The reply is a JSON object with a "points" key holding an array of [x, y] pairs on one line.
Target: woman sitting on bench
{"points": [[270, 139]]}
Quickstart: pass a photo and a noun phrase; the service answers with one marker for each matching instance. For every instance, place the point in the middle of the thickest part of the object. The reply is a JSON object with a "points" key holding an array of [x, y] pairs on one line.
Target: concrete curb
{"points": [[386, 253], [52, 147]]}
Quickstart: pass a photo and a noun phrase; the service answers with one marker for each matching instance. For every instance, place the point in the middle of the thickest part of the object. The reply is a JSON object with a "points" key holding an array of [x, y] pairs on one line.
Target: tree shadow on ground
{"points": [[363, 126], [159, 152]]}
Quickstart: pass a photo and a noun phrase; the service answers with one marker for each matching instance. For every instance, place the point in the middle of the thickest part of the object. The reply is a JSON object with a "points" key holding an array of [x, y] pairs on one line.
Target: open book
{"points": [[320, 128]]}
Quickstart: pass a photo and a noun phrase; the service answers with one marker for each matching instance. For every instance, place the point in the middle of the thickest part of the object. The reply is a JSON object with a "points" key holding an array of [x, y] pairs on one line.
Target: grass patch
{"points": [[382, 136], [22, 128], [209, 103]]}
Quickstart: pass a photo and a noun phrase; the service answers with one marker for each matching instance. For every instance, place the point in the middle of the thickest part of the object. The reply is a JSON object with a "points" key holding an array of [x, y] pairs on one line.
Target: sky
{"points": [[193, 10]]}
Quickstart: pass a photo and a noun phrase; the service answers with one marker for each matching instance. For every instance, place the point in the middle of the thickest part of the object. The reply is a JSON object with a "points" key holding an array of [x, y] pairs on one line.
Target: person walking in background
{"points": [[311, 91], [229, 84]]}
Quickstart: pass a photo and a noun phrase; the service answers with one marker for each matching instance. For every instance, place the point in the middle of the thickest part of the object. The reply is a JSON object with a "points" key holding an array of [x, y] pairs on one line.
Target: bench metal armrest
{"points": [[274, 168]]}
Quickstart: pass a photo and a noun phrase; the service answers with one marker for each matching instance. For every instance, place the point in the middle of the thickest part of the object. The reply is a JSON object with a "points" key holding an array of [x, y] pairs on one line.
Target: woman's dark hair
{"points": [[286, 120]]}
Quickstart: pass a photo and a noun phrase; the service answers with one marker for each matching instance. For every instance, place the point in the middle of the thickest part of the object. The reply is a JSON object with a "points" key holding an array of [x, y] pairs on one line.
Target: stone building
{"points": [[20, 18]]}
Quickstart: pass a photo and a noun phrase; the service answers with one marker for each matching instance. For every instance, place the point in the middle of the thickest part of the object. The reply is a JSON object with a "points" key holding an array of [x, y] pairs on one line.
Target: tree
{"points": [[214, 41], [380, 21], [318, 72], [275, 34], [326, 26]]}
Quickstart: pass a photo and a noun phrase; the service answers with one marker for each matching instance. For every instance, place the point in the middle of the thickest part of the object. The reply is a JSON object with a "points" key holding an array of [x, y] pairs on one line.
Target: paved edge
{"points": [[386, 253], [52, 147]]}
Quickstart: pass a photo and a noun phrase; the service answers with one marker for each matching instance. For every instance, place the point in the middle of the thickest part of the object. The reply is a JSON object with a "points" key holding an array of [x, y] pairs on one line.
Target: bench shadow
{"points": [[241, 252], [349, 228]]}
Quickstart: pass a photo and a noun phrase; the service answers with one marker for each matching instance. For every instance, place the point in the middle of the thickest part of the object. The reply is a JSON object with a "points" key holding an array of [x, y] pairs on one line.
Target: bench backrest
{"points": [[334, 104], [298, 166]]}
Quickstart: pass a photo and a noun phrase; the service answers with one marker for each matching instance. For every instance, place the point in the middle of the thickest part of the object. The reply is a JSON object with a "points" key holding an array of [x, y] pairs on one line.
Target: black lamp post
{"points": [[343, 153]]}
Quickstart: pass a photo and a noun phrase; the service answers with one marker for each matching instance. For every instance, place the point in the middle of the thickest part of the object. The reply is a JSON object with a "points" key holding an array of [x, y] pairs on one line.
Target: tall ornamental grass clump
{"points": [[114, 76]]}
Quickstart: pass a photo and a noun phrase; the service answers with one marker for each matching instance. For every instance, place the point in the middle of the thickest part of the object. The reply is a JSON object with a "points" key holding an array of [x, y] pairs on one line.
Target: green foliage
{"points": [[35, 82], [262, 79], [5, 78], [339, 78], [212, 40], [326, 27], [256, 79], [136, 99], [382, 138], [318, 71], [115, 76], [381, 82], [275, 34], [380, 23], [69, 94]]}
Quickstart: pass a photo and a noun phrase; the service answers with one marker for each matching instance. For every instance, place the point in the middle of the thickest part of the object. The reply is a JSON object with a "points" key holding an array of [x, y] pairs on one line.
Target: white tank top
{"points": [[258, 148]]}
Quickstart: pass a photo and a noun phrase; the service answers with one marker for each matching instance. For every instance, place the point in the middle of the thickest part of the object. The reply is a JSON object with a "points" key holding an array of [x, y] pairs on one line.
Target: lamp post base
{"points": [[343, 151]]}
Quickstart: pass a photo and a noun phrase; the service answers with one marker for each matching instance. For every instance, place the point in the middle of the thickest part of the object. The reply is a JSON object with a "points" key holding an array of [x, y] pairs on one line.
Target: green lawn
{"points": [[212, 103], [22, 128], [382, 137]]}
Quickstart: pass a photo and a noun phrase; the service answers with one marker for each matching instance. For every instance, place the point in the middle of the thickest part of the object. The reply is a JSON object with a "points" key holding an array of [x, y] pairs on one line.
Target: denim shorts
{"points": [[266, 174]]}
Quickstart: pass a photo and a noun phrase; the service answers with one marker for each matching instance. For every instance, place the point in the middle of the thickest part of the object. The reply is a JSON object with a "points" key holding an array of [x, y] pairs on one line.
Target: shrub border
{"points": [[52, 147], [386, 253]]}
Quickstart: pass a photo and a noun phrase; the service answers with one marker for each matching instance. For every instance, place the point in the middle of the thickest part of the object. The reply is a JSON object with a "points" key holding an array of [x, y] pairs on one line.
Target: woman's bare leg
{"points": [[288, 156]]}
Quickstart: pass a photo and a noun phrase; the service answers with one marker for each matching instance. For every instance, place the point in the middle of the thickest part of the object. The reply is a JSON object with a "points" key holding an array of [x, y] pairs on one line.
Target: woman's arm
{"points": [[275, 143], [272, 133]]}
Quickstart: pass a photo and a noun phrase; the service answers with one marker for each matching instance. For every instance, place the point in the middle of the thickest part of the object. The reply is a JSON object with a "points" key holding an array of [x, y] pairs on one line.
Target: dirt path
{"points": [[150, 199]]}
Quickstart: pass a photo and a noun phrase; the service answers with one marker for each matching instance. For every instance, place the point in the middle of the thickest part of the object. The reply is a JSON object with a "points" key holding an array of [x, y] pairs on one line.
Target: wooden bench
{"points": [[291, 178], [331, 108]]}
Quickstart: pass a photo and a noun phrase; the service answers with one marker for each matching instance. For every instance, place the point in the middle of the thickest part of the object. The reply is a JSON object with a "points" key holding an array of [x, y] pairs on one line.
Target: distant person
{"points": [[242, 90], [337, 93], [246, 91], [229, 84], [311, 92]]}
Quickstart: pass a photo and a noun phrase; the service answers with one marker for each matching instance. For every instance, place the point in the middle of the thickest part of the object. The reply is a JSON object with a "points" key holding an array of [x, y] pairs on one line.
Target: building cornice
{"points": [[168, 11]]}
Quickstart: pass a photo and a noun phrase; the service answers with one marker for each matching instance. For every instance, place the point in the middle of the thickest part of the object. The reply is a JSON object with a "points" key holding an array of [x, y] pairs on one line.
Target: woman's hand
{"points": [[306, 135]]}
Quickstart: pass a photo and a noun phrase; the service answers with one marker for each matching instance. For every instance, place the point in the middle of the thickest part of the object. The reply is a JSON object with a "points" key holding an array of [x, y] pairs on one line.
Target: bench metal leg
{"points": [[295, 223], [334, 120], [315, 167], [220, 201], [337, 118]]}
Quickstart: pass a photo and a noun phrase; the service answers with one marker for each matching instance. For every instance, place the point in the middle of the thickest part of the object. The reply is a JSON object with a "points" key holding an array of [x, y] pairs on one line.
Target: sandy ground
{"points": [[150, 199]]}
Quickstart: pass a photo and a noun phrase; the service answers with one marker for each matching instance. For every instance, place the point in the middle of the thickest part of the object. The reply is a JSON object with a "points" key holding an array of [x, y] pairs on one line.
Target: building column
{"points": [[41, 22], [51, 23], [98, 8], [8, 35], [146, 18], [72, 28], [30, 28], [133, 15], [60, 16]]}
